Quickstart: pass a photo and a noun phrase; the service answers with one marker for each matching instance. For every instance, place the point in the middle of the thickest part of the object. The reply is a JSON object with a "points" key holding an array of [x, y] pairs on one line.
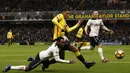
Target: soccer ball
{"points": [[119, 54]]}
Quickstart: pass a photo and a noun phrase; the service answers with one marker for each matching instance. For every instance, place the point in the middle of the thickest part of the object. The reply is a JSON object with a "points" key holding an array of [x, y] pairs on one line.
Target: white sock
{"points": [[18, 67], [100, 53], [86, 48]]}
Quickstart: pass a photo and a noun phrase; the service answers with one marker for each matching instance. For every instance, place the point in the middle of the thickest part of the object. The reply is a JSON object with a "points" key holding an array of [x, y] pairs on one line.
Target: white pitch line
{"points": [[96, 62]]}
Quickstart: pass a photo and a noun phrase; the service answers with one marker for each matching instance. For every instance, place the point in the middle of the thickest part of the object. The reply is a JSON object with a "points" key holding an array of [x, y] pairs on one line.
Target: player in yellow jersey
{"points": [[80, 33], [79, 36], [60, 27], [10, 37]]}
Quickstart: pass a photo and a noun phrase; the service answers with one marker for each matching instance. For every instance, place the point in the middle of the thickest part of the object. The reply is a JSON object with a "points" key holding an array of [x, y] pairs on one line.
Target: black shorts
{"points": [[94, 41], [33, 64]]}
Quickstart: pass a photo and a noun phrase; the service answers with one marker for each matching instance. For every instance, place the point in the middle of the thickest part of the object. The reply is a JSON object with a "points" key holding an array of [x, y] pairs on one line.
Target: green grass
{"points": [[17, 55]]}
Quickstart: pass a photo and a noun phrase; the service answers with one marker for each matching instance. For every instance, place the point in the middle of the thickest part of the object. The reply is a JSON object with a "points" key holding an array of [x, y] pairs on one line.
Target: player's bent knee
{"points": [[100, 45], [73, 48], [77, 53]]}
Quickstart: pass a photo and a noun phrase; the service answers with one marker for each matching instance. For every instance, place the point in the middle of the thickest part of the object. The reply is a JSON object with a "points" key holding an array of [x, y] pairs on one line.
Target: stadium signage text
{"points": [[105, 16]]}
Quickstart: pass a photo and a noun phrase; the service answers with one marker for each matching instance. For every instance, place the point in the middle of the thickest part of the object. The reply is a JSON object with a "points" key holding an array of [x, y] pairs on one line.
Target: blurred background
{"points": [[30, 20]]}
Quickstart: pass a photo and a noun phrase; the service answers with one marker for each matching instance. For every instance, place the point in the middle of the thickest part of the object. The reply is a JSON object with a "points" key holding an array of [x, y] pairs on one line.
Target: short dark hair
{"points": [[65, 9], [58, 39]]}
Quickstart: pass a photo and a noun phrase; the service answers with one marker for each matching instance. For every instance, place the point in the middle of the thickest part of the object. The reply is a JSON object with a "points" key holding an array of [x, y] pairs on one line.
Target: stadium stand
{"points": [[44, 33], [53, 5]]}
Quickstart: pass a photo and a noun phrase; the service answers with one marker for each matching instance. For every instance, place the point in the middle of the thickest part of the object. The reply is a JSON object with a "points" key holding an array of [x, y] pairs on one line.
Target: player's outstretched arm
{"points": [[64, 61], [69, 29], [86, 29], [108, 30], [105, 28]]}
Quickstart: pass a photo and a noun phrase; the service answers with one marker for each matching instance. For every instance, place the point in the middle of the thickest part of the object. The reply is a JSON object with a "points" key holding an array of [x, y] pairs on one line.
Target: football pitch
{"points": [[18, 55]]}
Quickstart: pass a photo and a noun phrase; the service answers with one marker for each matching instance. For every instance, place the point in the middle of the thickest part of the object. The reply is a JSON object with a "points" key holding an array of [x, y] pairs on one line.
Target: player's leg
{"points": [[80, 43], [72, 48], [45, 64], [9, 41], [62, 56], [79, 56], [85, 48], [100, 51], [80, 46], [77, 53], [30, 58], [34, 63], [9, 67], [76, 42], [92, 45]]}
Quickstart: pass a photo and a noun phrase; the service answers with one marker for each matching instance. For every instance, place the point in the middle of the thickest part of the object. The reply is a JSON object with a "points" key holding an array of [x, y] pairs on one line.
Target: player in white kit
{"points": [[41, 57], [95, 24]]}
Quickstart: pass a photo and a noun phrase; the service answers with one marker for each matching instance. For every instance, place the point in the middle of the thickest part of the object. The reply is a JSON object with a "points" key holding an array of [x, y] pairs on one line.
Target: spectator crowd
{"points": [[57, 5], [40, 33]]}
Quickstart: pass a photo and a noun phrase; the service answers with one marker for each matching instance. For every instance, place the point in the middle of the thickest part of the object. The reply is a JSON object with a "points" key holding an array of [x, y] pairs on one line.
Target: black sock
{"points": [[81, 58]]}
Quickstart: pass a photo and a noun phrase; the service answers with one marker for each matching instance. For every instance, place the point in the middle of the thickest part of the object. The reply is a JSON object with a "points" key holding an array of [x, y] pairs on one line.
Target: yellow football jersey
{"points": [[60, 24], [9, 35], [58, 21], [80, 33]]}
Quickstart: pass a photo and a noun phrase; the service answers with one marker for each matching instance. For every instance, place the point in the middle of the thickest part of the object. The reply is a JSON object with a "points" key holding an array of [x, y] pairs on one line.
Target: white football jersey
{"points": [[94, 26], [52, 51]]}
